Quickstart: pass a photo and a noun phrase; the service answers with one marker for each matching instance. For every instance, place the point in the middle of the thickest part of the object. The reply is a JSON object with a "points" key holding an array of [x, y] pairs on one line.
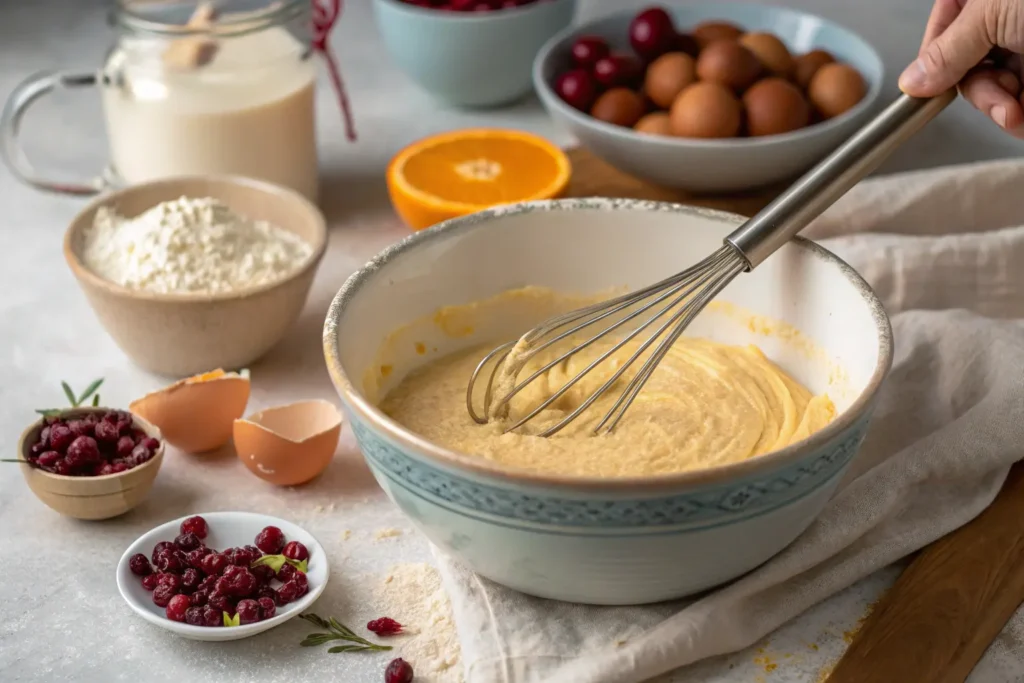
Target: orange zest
{"points": [[464, 171]]}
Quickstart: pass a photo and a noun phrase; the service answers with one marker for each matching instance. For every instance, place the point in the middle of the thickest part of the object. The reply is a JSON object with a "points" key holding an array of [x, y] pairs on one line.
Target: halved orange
{"points": [[464, 171]]}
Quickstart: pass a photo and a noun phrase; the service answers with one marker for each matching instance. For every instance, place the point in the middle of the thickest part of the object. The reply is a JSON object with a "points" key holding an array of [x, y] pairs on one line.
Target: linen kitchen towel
{"points": [[944, 249]]}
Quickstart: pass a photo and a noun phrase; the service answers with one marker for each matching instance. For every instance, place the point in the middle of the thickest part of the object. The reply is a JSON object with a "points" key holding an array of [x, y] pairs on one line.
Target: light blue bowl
{"points": [[470, 59], [726, 165], [603, 541]]}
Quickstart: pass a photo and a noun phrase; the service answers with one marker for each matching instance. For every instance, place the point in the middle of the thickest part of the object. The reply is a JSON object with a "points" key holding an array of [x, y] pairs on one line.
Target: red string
{"points": [[325, 15]]}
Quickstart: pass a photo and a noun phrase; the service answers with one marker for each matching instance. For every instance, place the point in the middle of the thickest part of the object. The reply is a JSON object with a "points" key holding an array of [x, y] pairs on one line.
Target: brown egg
{"points": [[196, 414], [729, 63], [709, 31], [835, 89], [805, 66], [620, 106], [655, 123], [774, 106], [291, 444], [770, 51], [667, 76], [706, 110]]}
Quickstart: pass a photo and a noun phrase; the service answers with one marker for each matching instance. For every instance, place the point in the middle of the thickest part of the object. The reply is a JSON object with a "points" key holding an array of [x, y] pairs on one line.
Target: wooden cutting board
{"points": [[942, 613]]}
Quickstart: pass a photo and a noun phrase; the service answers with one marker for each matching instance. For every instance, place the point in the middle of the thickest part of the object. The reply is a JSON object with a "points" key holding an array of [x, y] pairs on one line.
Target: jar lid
{"points": [[233, 17]]}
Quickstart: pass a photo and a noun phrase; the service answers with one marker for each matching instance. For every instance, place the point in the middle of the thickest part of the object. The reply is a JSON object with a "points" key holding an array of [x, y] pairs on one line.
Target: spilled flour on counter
{"points": [[412, 594]]}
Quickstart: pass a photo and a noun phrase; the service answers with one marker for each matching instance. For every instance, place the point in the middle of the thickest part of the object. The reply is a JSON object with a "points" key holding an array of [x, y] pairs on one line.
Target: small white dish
{"points": [[227, 530]]}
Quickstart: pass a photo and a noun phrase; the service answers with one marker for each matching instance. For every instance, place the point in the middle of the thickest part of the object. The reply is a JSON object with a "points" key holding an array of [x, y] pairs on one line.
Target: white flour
{"points": [[190, 245], [412, 595]]}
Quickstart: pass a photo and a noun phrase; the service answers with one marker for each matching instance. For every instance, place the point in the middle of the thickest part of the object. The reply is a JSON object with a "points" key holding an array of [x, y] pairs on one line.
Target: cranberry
{"points": [[103, 470], [577, 89], [588, 49], [172, 581], [139, 564], [212, 617], [398, 671], [617, 70], [243, 584], [248, 611], [83, 451], [265, 591], [301, 580], [215, 564], [139, 455], [151, 444], [200, 598], [195, 557], [151, 582], [651, 33], [177, 607], [263, 573], [118, 467], [463, 5], [270, 540], [160, 548], [124, 445], [222, 587], [44, 437], [267, 608], [187, 541], [385, 626], [208, 583], [222, 603], [106, 433], [289, 592], [172, 561], [162, 595], [82, 427], [286, 572], [62, 467], [48, 459], [190, 580], [194, 615], [295, 551], [195, 525]]}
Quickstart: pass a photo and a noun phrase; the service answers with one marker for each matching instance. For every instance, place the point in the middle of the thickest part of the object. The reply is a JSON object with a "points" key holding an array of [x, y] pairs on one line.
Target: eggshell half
{"points": [[290, 444], [196, 414]]}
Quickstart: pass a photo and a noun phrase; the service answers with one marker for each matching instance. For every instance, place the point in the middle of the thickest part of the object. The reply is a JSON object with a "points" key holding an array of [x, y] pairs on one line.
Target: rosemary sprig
{"points": [[90, 392], [337, 631]]}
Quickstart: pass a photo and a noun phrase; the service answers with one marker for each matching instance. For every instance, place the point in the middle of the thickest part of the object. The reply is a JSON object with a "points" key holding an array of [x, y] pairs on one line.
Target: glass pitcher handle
{"points": [[23, 95]]}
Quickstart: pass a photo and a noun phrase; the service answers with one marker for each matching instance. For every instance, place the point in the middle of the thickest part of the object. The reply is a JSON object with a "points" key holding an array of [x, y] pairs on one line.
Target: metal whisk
{"points": [[671, 304]]}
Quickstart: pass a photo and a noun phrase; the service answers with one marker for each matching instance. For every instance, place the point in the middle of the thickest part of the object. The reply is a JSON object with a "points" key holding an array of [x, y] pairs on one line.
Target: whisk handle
{"points": [[819, 188]]}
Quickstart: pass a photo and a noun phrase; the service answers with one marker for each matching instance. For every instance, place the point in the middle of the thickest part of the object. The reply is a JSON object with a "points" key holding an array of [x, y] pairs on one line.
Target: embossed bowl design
{"points": [[608, 541]]}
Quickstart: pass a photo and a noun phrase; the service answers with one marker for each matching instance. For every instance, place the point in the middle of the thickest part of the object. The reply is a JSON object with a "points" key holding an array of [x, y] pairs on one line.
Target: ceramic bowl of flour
{"points": [[621, 540], [180, 297]]}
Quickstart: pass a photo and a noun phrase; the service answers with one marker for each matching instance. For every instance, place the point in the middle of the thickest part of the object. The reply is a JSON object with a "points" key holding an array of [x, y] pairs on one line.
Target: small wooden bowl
{"points": [[182, 334], [91, 498]]}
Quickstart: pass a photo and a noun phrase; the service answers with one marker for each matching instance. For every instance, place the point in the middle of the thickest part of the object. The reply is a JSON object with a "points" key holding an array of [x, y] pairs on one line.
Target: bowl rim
{"points": [[469, 17], [551, 99], [474, 465], [151, 430], [85, 275]]}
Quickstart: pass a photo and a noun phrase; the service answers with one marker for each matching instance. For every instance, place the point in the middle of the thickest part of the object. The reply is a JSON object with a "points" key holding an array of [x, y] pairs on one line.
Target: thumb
{"points": [[947, 59]]}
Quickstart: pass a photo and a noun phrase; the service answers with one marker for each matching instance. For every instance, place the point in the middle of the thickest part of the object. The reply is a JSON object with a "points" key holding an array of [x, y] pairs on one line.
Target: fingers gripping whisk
{"points": [[662, 310]]}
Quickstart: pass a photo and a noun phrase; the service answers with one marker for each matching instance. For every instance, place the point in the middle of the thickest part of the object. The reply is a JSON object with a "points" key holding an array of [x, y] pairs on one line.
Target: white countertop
{"points": [[62, 616]]}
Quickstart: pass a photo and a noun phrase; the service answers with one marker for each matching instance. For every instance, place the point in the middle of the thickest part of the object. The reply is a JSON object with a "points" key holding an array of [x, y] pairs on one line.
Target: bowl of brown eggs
{"points": [[715, 97]]}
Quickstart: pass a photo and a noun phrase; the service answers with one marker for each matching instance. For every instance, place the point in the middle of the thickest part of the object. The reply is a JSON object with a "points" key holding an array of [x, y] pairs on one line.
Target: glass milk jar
{"points": [[217, 88]]}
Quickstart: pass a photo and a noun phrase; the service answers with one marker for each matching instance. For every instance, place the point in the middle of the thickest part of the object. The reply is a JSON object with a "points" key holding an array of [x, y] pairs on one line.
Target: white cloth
{"points": [[944, 249]]}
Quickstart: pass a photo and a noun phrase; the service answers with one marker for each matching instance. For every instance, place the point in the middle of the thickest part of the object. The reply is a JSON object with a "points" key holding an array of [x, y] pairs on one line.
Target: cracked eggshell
{"points": [[196, 414], [289, 444]]}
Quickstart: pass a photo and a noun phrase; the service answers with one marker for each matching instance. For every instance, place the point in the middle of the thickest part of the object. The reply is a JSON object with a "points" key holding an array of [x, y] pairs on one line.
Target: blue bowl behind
{"points": [[471, 59]]}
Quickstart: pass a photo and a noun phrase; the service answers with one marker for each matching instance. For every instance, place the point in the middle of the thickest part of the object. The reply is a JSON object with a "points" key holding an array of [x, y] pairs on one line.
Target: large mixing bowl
{"points": [[607, 541]]}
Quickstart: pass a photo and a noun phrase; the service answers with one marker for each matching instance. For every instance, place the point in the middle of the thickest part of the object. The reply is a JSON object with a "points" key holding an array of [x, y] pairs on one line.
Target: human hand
{"points": [[976, 44]]}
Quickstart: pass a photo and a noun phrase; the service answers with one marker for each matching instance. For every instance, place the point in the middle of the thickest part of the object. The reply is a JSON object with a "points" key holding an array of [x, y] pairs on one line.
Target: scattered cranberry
{"points": [[617, 70], [195, 525], [588, 49], [267, 607], [385, 626], [398, 671], [187, 541], [162, 595], [270, 540], [177, 606], [248, 611], [295, 551], [151, 582], [577, 89], [139, 564], [194, 615], [215, 564]]}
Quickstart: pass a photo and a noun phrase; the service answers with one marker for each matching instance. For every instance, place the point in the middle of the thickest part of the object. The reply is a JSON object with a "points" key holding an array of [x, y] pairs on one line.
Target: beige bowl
{"points": [[91, 497], [188, 333]]}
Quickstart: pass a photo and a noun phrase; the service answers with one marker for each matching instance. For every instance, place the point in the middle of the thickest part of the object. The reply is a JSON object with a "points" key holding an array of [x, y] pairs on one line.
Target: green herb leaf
{"points": [[89, 391], [231, 621], [275, 562], [314, 619], [23, 462], [317, 639], [95, 400], [70, 394], [338, 632], [301, 566], [349, 648], [49, 412]]}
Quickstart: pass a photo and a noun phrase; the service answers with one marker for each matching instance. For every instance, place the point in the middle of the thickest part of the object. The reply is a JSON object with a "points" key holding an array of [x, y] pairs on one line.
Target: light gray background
{"points": [[60, 614]]}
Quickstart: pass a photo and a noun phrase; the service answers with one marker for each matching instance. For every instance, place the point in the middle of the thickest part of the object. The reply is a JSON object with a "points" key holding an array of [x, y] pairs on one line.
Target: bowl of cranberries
{"points": [[470, 53], [222, 575], [710, 97], [91, 463]]}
